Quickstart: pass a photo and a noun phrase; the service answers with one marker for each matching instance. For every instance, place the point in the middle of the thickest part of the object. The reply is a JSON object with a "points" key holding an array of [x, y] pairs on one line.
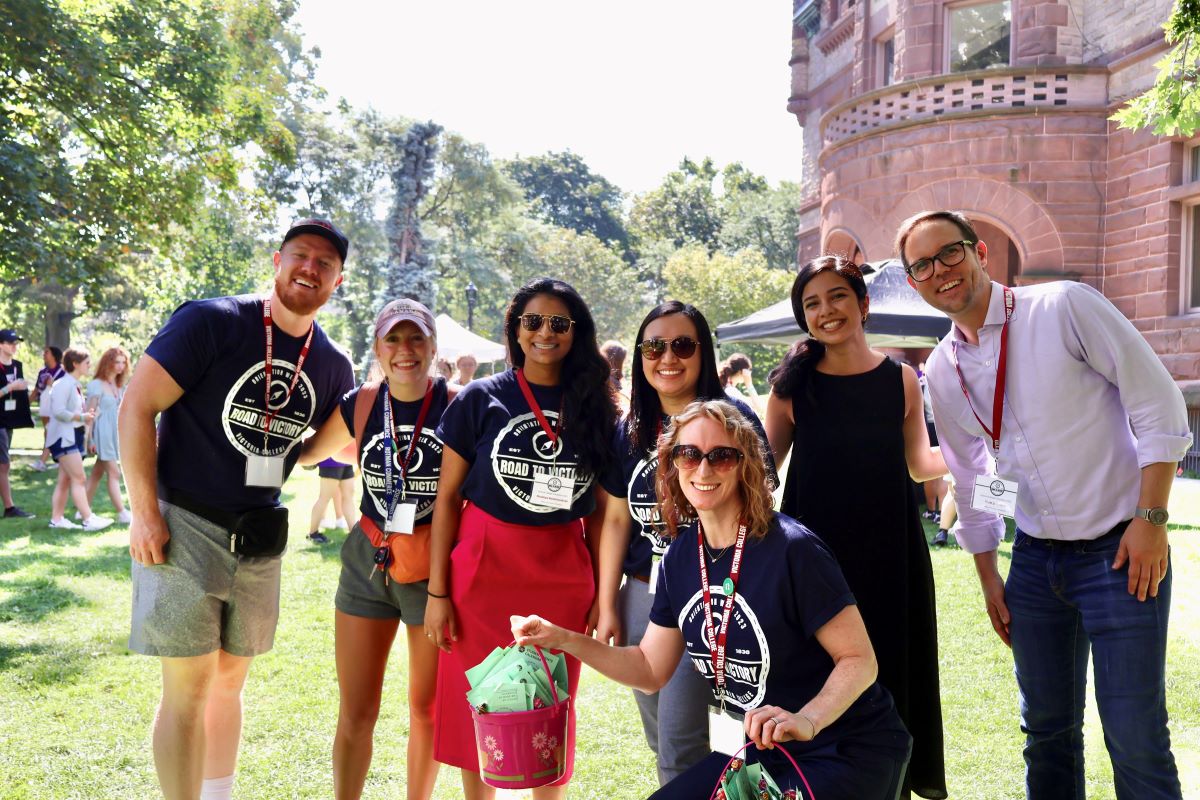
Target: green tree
{"points": [[682, 210], [118, 118], [563, 190], [1171, 107], [763, 220]]}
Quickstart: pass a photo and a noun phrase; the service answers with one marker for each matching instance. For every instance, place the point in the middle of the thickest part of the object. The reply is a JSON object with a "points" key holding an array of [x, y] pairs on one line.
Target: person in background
{"points": [[337, 485], [69, 421], [524, 449], [614, 352], [736, 373], [50, 372], [466, 365], [104, 393], [445, 368], [853, 421], [762, 588], [14, 413]]}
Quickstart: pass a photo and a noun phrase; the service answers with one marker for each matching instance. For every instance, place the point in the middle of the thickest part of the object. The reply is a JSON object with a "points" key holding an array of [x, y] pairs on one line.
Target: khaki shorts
{"points": [[362, 593], [204, 598]]}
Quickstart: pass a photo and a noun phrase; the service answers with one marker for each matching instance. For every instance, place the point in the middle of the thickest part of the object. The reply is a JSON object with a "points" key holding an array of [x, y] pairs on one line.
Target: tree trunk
{"points": [[58, 304]]}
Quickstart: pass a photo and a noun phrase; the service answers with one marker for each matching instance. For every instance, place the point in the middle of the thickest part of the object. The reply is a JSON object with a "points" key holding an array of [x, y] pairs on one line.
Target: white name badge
{"points": [[10, 405], [726, 731], [264, 471], [404, 516], [553, 491], [655, 563], [994, 494]]}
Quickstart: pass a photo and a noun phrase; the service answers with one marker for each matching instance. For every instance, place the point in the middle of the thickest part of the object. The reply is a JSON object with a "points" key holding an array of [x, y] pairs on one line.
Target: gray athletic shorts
{"points": [[204, 598], [361, 594], [5, 441]]}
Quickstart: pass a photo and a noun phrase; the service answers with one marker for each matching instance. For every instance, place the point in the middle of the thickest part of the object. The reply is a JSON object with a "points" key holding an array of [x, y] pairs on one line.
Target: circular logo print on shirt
{"points": [[423, 471], [242, 416], [523, 450], [747, 656], [643, 502]]}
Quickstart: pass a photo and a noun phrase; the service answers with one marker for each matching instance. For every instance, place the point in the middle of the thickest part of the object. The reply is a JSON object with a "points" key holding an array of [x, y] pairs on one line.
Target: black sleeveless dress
{"points": [[848, 482]]}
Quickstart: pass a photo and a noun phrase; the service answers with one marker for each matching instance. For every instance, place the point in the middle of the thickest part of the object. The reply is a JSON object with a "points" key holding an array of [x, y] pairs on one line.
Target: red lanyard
{"points": [[551, 434], [717, 642], [390, 439], [1001, 375], [270, 331]]}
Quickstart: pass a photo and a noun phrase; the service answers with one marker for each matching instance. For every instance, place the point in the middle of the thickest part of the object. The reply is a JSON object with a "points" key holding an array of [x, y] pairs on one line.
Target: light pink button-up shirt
{"points": [[1087, 405]]}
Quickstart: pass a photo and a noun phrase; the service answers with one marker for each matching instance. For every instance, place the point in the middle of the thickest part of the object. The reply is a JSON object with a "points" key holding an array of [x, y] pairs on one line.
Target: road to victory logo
{"points": [[242, 415], [747, 656], [523, 450], [643, 503], [423, 471]]}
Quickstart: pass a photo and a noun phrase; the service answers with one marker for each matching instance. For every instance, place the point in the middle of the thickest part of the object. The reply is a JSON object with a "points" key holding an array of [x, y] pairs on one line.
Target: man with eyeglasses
{"points": [[1085, 426], [237, 381]]}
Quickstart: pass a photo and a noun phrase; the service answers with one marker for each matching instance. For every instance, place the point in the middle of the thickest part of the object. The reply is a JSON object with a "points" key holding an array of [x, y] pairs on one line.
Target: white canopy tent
{"points": [[454, 340]]}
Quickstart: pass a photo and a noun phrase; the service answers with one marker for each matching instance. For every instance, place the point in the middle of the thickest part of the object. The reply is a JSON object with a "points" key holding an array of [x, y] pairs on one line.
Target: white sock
{"points": [[217, 788]]}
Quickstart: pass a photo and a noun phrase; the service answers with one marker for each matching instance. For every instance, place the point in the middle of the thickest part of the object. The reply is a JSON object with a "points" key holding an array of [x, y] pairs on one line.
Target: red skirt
{"points": [[498, 569]]}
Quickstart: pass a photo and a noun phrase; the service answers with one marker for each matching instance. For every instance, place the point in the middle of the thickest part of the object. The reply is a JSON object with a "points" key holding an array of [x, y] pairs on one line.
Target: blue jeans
{"points": [[1065, 598]]}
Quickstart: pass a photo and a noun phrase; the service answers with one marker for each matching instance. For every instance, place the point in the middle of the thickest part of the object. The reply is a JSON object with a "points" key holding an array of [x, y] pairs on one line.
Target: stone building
{"points": [[999, 108]]}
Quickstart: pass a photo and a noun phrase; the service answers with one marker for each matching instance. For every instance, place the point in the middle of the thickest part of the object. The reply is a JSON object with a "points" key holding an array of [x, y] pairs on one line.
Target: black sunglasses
{"points": [[681, 346], [688, 456], [558, 323]]}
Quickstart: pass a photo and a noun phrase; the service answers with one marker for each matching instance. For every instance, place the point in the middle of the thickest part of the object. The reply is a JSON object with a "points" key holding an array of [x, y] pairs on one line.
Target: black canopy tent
{"points": [[899, 317]]}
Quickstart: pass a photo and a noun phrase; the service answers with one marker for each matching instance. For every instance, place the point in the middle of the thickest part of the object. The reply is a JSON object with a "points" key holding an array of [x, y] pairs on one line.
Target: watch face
{"points": [[1158, 516]]}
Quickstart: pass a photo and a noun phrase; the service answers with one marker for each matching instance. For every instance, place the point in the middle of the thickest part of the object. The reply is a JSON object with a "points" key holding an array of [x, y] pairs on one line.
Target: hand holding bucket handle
{"points": [[743, 748]]}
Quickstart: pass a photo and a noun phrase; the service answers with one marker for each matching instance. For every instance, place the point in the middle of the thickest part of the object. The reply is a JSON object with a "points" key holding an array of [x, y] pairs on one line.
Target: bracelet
{"points": [[438, 596], [811, 724]]}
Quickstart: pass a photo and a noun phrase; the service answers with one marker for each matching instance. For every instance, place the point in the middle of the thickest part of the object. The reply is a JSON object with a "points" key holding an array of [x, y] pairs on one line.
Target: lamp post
{"points": [[472, 297]]}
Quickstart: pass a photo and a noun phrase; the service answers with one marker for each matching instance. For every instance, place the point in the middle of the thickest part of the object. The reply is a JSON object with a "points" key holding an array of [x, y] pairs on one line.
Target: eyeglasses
{"points": [[951, 255], [688, 456], [681, 346], [558, 323]]}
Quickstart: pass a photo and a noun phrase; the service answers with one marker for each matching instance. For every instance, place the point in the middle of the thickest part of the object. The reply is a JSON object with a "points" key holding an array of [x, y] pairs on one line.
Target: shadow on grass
{"points": [[110, 561], [42, 665], [35, 599]]}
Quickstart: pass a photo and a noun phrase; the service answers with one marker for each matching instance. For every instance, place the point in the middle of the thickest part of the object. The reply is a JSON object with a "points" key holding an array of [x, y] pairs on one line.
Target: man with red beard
{"points": [[237, 381]]}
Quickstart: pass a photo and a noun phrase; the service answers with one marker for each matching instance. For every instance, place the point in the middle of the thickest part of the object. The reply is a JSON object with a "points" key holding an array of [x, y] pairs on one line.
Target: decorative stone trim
{"points": [[836, 34], [1068, 88]]}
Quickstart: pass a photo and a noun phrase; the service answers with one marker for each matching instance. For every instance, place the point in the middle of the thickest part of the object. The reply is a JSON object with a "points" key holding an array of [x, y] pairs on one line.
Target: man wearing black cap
{"points": [[14, 413], [237, 381]]}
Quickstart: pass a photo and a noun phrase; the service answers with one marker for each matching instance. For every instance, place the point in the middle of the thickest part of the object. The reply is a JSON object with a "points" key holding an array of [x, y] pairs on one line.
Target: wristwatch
{"points": [[1155, 516]]}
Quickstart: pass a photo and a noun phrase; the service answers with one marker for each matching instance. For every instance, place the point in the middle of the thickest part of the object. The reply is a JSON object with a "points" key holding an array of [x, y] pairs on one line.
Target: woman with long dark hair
{"points": [[674, 363], [761, 588], [854, 423], [523, 448]]}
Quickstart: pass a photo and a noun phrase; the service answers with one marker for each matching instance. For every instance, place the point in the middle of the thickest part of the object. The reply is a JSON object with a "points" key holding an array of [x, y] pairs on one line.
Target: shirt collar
{"points": [[994, 316]]}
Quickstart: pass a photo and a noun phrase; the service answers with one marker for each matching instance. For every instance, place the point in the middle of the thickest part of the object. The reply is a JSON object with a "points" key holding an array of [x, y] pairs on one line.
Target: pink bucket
{"points": [[523, 749]]}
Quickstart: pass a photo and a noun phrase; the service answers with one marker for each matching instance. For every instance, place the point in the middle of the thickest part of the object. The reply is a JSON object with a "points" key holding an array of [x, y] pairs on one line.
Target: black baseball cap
{"points": [[9, 336], [323, 228]]}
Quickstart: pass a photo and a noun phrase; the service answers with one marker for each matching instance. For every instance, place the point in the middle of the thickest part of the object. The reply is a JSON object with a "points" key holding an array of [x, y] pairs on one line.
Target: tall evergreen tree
{"points": [[410, 265]]}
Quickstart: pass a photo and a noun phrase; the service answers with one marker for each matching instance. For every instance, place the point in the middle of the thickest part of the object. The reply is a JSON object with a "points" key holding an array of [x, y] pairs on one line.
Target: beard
{"points": [[299, 300]]}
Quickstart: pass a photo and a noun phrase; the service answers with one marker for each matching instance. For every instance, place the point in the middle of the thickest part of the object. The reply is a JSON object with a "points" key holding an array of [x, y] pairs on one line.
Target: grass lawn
{"points": [[76, 706]]}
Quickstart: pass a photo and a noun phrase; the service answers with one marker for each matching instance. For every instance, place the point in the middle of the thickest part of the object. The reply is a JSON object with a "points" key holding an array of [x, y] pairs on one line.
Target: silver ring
{"points": [[777, 720]]}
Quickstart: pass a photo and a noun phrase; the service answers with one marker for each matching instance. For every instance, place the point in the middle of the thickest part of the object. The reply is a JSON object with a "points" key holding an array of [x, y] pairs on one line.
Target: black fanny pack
{"points": [[258, 532]]}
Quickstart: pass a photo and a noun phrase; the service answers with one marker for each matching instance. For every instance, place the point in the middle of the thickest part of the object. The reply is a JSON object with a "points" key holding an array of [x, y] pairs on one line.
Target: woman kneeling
{"points": [[758, 592]]}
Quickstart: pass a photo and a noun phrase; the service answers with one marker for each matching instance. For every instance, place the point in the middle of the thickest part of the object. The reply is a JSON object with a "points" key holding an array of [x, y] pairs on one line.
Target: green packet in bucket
{"points": [[513, 679], [743, 781]]}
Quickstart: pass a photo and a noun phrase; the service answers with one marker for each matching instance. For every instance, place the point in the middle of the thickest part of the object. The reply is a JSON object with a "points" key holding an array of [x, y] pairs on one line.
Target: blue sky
{"points": [[630, 86]]}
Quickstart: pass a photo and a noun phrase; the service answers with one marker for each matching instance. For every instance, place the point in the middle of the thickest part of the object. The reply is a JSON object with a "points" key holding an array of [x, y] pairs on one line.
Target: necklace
{"points": [[718, 556]]}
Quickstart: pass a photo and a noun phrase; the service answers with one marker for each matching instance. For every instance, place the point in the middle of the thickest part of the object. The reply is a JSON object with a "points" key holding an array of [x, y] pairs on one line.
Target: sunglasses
{"points": [[688, 456], [681, 346], [558, 323]]}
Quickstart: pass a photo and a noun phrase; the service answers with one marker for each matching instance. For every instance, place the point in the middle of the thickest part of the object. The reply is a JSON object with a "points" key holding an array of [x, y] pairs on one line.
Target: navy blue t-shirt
{"points": [[631, 476], [216, 351], [492, 428], [789, 586], [426, 466]]}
